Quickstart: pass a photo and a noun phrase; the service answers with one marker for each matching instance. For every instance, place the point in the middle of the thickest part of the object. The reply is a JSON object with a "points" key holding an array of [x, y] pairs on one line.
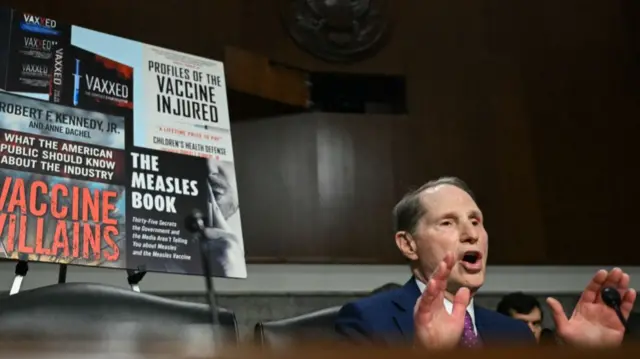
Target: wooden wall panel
{"points": [[582, 106], [467, 90], [276, 166], [325, 191], [356, 186]]}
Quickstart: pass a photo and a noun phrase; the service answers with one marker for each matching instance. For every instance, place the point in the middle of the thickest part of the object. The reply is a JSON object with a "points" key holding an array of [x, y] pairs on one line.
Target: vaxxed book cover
{"points": [[91, 82], [28, 42]]}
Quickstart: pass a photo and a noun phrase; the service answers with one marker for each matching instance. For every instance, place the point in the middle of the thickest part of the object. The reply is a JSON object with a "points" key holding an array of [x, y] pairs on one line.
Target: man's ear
{"points": [[407, 245]]}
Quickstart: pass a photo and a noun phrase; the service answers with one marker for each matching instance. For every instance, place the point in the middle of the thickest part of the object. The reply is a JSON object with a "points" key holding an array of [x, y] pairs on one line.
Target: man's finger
{"points": [[425, 304], [612, 280], [559, 317], [613, 277], [628, 299], [430, 296], [449, 260], [461, 302], [439, 272], [420, 314], [623, 285], [436, 284], [592, 291], [444, 268]]}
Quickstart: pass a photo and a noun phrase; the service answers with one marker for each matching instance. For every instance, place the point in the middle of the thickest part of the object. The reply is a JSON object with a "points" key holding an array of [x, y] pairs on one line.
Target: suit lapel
{"points": [[487, 331], [405, 301], [481, 322]]}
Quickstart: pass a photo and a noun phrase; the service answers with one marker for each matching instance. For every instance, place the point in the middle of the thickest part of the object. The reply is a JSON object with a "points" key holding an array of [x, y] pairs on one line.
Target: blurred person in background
{"points": [[523, 307]]}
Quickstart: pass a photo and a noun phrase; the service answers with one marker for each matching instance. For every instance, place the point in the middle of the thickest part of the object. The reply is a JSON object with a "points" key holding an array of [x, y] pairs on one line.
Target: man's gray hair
{"points": [[407, 213]]}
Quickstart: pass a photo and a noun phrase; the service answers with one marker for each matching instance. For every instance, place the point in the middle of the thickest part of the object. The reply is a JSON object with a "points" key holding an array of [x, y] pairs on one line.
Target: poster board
{"points": [[106, 145]]}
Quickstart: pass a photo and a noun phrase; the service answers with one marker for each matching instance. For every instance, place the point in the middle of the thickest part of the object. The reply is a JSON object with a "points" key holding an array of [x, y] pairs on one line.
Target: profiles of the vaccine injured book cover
{"points": [[106, 145]]}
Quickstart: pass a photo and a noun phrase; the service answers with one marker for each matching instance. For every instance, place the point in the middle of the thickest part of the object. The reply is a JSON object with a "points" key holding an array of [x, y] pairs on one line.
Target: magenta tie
{"points": [[469, 337]]}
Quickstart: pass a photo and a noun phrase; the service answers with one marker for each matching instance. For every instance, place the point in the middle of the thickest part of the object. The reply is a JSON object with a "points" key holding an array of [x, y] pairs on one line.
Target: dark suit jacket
{"points": [[387, 318]]}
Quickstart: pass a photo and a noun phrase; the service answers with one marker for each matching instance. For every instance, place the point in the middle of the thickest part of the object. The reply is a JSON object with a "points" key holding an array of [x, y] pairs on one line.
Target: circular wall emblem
{"points": [[337, 30]]}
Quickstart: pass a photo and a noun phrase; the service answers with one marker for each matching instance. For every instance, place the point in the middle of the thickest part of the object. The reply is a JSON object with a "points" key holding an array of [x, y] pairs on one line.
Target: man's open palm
{"points": [[593, 323], [435, 328]]}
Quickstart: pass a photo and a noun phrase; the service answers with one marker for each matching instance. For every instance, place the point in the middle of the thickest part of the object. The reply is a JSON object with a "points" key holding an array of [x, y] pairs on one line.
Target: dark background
{"points": [[534, 104]]}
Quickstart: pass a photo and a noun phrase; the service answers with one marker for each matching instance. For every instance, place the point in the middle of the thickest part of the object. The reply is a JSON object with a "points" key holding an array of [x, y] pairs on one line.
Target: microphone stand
{"points": [[195, 224], [206, 272]]}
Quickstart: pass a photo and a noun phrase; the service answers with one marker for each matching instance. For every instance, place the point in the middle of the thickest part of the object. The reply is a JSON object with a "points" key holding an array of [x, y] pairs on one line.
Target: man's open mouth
{"points": [[472, 261]]}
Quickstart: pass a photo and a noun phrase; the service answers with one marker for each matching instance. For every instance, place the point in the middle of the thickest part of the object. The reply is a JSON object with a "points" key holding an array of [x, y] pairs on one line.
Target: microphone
{"points": [[612, 299], [194, 223]]}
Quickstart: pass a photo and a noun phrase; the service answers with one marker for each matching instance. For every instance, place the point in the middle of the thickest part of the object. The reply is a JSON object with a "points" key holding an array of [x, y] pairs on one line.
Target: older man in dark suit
{"points": [[440, 230]]}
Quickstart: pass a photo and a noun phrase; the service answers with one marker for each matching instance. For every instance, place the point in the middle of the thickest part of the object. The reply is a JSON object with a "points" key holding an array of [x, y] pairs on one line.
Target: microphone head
{"points": [[195, 221], [611, 297]]}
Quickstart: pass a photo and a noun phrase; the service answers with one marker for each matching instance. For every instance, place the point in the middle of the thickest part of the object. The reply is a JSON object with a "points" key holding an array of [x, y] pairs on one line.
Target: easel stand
{"points": [[22, 267], [62, 274], [134, 278]]}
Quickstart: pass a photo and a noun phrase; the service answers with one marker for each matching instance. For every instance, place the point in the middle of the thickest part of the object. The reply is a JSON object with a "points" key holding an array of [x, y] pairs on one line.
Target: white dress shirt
{"points": [[449, 306]]}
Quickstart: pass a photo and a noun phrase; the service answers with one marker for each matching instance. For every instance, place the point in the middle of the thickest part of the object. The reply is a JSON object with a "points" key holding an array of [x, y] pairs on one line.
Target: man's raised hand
{"points": [[435, 328], [593, 323]]}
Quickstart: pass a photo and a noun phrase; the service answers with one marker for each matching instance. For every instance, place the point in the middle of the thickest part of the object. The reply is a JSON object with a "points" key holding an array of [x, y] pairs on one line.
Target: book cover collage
{"points": [[106, 145]]}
